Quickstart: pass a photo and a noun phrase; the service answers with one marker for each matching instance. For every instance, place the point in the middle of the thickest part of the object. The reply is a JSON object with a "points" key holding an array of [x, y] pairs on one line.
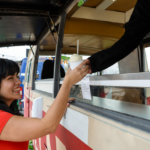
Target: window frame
{"points": [[29, 64]]}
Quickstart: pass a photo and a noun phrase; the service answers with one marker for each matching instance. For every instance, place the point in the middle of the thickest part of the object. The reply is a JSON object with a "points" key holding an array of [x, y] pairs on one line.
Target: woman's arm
{"points": [[138, 26], [24, 129]]}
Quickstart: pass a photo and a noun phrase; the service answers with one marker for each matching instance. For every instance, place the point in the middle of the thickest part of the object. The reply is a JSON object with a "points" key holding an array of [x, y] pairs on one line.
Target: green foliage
{"points": [[30, 147], [65, 58], [81, 2]]}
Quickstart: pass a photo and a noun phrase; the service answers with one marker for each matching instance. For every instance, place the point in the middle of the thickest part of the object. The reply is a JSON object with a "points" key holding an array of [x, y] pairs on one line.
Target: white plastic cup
{"points": [[75, 64]]}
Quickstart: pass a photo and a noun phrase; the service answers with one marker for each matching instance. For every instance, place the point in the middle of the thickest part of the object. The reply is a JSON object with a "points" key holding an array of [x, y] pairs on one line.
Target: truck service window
{"points": [[45, 73], [118, 85]]}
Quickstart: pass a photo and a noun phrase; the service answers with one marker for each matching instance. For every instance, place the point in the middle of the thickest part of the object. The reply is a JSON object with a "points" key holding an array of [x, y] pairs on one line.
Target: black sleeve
{"points": [[137, 27]]}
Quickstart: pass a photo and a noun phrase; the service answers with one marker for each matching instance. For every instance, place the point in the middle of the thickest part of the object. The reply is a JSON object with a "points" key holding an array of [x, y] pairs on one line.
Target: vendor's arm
{"points": [[137, 28]]}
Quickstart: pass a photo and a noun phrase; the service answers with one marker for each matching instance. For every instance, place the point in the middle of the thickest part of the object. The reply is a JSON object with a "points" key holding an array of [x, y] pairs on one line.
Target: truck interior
{"points": [[25, 23]]}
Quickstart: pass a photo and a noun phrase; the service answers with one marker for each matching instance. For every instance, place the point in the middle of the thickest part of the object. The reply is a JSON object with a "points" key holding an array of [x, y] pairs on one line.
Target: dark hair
{"points": [[8, 67]]}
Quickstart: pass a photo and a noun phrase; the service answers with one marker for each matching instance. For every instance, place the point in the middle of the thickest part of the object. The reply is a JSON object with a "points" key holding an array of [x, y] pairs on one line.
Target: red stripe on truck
{"points": [[70, 141]]}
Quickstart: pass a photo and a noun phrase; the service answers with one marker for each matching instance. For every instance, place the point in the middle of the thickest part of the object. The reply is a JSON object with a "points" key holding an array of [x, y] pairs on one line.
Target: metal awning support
{"points": [[36, 56], [22, 12], [51, 30], [32, 50], [58, 55]]}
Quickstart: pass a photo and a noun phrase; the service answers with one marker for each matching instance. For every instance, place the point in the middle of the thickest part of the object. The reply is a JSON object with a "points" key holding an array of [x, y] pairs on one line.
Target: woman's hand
{"points": [[75, 75], [70, 99]]}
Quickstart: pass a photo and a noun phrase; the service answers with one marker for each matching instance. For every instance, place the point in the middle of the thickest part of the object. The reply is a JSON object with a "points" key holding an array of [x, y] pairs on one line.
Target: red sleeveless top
{"points": [[6, 145]]}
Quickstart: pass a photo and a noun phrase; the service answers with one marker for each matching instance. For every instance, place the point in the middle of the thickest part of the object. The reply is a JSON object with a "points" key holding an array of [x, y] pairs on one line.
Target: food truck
{"points": [[115, 114]]}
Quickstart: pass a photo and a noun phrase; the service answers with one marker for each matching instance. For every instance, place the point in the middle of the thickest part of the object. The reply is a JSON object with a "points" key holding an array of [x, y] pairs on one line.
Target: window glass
{"points": [[130, 101], [45, 73], [147, 96], [45, 67], [146, 62], [28, 71], [132, 95], [129, 64], [114, 69], [147, 59]]}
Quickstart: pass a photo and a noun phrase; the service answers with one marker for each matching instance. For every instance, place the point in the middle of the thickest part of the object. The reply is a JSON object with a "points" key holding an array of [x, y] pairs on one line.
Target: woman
{"points": [[16, 131]]}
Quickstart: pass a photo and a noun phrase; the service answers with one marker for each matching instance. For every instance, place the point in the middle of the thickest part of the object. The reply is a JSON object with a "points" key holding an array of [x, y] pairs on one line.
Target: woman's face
{"points": [[10, 88]]}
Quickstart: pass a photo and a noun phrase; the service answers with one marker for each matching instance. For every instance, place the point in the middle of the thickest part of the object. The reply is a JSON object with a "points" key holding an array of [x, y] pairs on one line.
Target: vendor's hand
{"points": [[75, 75], [70, 99], [89, 64]]}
